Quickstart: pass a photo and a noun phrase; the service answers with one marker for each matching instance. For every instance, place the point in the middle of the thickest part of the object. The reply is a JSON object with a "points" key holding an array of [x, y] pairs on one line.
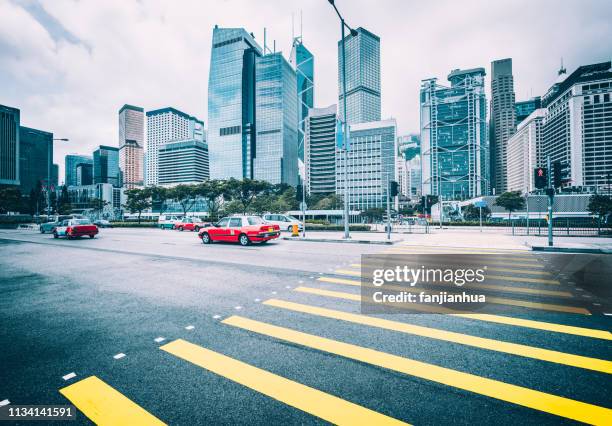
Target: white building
{"points": [[523, 153], [182, 162], [320, 150]]}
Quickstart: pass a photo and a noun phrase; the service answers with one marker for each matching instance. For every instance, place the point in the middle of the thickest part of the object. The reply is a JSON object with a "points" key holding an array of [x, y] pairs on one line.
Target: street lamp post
{"points": [[345, 150], [49, 167]]}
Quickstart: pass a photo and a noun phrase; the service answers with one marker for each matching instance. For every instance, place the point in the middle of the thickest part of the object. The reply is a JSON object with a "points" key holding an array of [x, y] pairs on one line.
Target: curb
{"points": [[325, 240], [571, 250]]}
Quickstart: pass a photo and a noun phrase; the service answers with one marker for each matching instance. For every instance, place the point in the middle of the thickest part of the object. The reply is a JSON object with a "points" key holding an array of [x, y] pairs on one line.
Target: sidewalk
{"points": [[338, 237]]}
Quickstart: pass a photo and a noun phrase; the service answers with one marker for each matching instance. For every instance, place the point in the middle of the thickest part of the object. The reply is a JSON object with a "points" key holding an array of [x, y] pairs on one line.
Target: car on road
{"points": [[103, 223], [284, 222], [240, 229], [167, 221], [49, 226], [191, 224], [75, 228]]}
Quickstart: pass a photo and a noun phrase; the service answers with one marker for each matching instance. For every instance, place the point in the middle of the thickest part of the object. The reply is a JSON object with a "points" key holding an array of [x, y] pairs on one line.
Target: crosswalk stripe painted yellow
{"points": [[104, 405], [553, 404], [515, 271], [498, 319], [449, 336], [490, 287], [312, 401]]}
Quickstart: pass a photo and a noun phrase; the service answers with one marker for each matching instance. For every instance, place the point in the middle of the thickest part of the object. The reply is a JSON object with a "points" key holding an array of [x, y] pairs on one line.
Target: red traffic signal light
{"points": [[540, 177]]}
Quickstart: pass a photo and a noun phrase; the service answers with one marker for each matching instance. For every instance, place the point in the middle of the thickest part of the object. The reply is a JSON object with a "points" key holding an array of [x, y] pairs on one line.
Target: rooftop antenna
{"points": [[274, 46], [301, 26], [562, 70]]}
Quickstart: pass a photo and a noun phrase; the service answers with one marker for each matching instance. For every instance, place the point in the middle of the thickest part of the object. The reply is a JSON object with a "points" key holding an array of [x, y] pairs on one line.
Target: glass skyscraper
{"points": [[9, 145], [71, 163], [303, 62], [35, 158], [231, 103], [276, 159], [454, 136], [106, 165], [362, 77]]}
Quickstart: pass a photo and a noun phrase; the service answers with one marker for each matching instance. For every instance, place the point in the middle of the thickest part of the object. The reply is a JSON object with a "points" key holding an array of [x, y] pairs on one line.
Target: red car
{"points": [[190, 224], [74, 228], [240, 229]]}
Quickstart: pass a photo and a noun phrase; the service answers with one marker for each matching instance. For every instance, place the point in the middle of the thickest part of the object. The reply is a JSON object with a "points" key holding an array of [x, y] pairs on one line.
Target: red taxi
{"points": [[240, 229], [190, 224], [75, 228]]}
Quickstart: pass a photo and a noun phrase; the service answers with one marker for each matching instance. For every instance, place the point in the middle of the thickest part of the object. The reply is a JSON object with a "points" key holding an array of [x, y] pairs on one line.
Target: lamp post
{"points": [[353, 33], [49, 167]]}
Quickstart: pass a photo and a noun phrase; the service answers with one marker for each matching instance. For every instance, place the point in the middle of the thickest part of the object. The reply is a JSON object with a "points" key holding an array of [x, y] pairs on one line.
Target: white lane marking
{"points": [[273, 292], [579, 289], [320, 273], [4, 402], [300, 282], [159, 339], [189, 327], [237, 307], [69, 376], [312, 278], [258, 300], [607, 314], [216, 316], [597, 304], [586, 295], [287, 286], [119, 355]]}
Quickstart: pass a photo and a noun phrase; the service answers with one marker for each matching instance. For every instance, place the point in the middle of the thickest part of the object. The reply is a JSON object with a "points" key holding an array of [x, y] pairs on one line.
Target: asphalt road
{"points": [[72, 306]]}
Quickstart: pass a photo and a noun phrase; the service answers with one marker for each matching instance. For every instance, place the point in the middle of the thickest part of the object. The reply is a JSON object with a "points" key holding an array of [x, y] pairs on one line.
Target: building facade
{"points": [[183, 161], [503, 121], [35, 158], [81, 197], [70, 165], [370, 164], [362, 77], [131, 145], [454, 136], [106, 166], [9, 145], [231, 103], [276, 156], [525, 108], [409, 165], [320, 151], [163, 126], [84, 174], [525, 153], [303, 63]]}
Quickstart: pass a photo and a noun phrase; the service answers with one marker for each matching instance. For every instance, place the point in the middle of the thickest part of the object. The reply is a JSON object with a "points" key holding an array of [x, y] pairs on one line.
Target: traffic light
{"points": [[393, 188], [561, 174], [540, 177], [299, 194]]}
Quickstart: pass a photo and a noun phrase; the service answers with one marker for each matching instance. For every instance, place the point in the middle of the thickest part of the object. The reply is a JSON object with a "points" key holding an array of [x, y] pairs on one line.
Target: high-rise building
{"points": [[525, 153], [35, 158], [503, 120], [409, 159], [577, 127], [183, 161], [525, 108], [276, 115], [362, 77], [231, 103], [454, 137], [9, 145], [131, 145], [165, 125], [303, 63], [106, 166], [71, 163], [370, 164], [320, 150], [55, 175], [84, 174]]}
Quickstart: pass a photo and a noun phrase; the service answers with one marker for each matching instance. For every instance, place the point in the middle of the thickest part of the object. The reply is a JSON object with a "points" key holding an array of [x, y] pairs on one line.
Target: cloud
{"points": [[69, 65]]}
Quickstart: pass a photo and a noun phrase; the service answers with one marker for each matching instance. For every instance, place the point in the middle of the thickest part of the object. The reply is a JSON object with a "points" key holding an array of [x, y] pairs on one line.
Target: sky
{"points": [[70, 65]]}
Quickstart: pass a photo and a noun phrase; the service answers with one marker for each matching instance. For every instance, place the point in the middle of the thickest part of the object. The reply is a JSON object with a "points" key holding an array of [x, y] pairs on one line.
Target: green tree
{"points": [[185, 195], [245, 191], [511, 201], [330, 202], [98, 205], [10, 199], [63, 203], [471, 212], [159, 198], [138, 200], [373, 214], [600, 205], [212, 191]]}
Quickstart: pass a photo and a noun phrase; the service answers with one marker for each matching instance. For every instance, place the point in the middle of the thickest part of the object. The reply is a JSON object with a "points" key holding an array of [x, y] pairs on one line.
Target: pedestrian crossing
{"points": [[103, 404]]}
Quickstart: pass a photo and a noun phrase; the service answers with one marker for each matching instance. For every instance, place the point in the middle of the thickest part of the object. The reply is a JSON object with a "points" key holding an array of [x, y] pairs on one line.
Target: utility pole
{"points": [[388, 208], [551, 192]]}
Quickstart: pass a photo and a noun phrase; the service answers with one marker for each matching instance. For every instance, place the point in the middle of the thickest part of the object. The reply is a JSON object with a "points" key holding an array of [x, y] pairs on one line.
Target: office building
{"points": [[106, 166], [35, 158], [503, 121], [409, 165], [370, 164], [362, 77], [454, 136], [525, 108], [84, 174], [276, 159], [231, 103], [131, 145], [165, 125], [525, 153], [320, 151], [81, 197], [303, 63], [71, 163], [9, 145], [55, 175], [577, 128], [183, 161]]}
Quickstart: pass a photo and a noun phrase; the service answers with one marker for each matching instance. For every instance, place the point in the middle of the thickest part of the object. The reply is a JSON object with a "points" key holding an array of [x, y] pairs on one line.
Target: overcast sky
{"points": [[70, 65]]}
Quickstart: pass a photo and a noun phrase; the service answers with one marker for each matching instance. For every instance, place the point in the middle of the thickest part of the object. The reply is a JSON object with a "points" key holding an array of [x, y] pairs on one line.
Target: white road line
{"points": [[287, 286], [579, 289], [273, 292], [159, 339], [312, 278], [189, 327], [4, 402], [586, 295], [300, 282], [607, 314], [237, 307], [119, 355], [69, 376], [216, 316], [258, 300], [597, 304]]}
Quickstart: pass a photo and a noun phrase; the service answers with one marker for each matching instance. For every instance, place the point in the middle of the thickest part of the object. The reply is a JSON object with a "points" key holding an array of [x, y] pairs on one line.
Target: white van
{"points": [[167, 221], [285, 222]]}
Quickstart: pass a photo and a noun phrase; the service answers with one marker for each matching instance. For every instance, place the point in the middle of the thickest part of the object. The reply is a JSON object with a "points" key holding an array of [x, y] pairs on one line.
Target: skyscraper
{"points": [[454, 137], [165, 125], [131, 145], [303, 62], [525, 153], [320, 151], [9, 145], [183, 161], [35, 158], [409, 155], [276, 159], [525, 108], [362, 77], [231, 103], [84, 174], [71, 162], [503, 120], [106, 166]]}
